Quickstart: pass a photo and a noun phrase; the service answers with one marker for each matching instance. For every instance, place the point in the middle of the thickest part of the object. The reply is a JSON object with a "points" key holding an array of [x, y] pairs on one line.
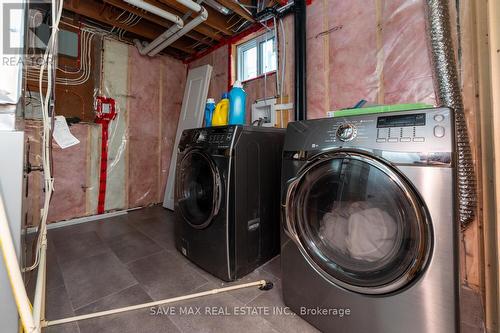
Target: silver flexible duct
{"points": [[449, 94]]}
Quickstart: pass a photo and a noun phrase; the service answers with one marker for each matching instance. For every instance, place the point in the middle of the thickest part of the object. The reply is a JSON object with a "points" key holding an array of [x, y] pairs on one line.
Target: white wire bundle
{"points": [[130, 21], [85, 64], [87, 37], [48, 59]]}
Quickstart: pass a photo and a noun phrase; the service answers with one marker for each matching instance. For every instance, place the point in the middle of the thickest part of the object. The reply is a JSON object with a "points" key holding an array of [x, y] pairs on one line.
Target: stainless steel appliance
{"points": [[369, 236], [227, 198]]}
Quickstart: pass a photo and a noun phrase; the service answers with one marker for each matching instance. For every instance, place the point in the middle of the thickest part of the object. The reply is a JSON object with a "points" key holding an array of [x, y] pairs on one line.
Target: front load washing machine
{"points": [[369, 235], [227, 198]]}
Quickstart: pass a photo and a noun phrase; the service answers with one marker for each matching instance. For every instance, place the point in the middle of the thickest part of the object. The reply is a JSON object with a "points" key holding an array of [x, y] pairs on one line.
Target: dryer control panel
{"points": [[428, 130]]}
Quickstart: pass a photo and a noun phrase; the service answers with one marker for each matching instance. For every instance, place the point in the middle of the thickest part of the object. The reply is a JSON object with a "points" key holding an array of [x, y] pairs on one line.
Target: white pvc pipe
{"points": [[39, 301], [191, 5], [260, 283], [14, 273], [155, 10], [188, 27], [160, 39]]}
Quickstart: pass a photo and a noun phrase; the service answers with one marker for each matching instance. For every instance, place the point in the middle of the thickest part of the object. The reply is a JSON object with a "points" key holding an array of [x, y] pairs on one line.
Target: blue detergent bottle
{"points": [[237, 104], [209, 111]]}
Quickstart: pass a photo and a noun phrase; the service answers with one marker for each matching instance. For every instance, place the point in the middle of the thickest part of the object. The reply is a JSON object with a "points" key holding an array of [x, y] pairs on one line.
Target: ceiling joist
{"points": [[199, 33], [103, 13], [148, 26], [237, 9], [215, 19]]}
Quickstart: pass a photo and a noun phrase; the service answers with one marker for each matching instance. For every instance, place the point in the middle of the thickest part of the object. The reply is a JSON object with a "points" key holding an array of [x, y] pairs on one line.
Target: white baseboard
{"points": [[79, 220]]}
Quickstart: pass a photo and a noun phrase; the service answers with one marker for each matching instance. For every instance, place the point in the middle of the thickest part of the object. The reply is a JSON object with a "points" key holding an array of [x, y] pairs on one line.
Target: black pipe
{"points": [[300, 60]]}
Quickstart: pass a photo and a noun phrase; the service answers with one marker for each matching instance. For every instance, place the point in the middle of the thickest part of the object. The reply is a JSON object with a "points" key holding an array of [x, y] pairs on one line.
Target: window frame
{"points": [[256, 42]]}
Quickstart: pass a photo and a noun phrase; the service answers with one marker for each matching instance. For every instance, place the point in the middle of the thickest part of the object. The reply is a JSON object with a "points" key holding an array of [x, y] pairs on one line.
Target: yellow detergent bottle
{"points": [[221, 112]]}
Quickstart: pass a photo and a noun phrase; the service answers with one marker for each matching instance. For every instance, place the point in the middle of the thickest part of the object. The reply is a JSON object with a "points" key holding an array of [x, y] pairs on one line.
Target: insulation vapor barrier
{"points": [[114, 85], [381, 56], [148, 95]]}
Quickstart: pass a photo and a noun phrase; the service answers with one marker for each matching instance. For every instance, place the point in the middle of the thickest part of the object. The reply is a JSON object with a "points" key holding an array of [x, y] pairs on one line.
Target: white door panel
{"points": [[192, 112]]}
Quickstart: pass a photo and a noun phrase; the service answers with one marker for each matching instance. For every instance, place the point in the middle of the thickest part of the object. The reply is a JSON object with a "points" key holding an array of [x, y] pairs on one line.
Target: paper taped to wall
{"points": [[62, 134]]}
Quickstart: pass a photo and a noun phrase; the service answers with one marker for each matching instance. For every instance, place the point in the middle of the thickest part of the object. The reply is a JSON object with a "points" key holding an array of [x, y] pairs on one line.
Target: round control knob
{"points": [[202, 136], [439, 118], [346, 132]]}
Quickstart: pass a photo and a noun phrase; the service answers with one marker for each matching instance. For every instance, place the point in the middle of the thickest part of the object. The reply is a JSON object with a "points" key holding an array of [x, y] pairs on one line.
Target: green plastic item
{"points": [[381, 109]]}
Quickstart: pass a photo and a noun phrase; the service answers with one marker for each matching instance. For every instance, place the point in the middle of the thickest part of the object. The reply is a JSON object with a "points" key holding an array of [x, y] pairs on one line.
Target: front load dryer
{"points": [[227, 198], [369, 235]]}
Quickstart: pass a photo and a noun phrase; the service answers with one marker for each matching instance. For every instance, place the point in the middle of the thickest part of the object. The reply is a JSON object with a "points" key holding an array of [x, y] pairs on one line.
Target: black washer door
{"points": [[198, 189], [358, 222]]}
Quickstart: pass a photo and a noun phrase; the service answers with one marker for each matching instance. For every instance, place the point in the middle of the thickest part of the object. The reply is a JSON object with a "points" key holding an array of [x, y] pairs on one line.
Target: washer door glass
{"points": [[359, 223], [198, 189]]}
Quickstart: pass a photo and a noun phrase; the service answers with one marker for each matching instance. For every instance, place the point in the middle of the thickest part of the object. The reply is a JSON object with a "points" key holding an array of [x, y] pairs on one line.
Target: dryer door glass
{"points": [[359, 222], [198, 189]]}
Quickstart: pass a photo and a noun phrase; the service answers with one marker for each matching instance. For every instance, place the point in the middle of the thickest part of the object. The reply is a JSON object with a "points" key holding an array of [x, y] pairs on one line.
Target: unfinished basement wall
{"points": [[372, 50], [148, 94], [219, 60], [222, 61]]}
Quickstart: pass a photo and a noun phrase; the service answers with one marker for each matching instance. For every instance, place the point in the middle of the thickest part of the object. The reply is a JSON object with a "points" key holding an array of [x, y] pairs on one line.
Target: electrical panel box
{"points": [[67, 41]]}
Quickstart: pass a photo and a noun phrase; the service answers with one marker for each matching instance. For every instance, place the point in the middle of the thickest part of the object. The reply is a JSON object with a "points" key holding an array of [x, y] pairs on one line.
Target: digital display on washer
{"points": [[401, 121]]}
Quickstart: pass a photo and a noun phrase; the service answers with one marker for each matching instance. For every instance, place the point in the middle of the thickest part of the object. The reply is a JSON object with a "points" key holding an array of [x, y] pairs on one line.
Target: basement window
{"points": [[256, 57]]}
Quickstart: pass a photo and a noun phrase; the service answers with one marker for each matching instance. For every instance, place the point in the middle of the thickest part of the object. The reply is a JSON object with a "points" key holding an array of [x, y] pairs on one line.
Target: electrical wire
{"points": [[85, 65], [47, 63]]}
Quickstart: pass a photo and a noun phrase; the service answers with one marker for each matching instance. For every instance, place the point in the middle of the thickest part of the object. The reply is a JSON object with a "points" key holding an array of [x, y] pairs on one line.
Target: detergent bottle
{"points": [[237, 104], [221, 112], [209, 112]]}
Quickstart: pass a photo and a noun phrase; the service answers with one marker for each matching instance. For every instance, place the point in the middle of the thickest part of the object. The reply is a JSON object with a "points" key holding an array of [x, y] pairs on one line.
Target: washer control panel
{"points": [[217, 137]]}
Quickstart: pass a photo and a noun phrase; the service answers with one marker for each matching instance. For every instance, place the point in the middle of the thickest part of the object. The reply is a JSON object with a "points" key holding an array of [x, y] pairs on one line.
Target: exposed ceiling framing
{"points": [[110, 13]]}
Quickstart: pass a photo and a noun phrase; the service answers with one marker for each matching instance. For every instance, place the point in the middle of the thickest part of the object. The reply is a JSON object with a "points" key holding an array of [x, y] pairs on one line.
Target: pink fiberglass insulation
{"points": [[144, 129], [70, 174], [353, 53], [317, 67], [407, 72], [173, 82], [156, 89], [219, 60], [374, 50]]}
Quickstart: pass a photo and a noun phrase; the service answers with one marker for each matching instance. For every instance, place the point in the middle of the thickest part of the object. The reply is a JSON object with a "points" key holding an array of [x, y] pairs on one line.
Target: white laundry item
{"points": [[356, 207], [333, 231], [371, 234]]}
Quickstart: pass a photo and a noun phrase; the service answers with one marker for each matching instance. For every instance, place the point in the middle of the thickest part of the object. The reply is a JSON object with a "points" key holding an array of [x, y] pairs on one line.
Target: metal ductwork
{"points": [[449, 94]]}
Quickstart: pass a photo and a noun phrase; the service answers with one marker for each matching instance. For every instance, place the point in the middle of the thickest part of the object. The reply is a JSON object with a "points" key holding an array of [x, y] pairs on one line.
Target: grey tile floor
{"points": [[131, 259]]}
